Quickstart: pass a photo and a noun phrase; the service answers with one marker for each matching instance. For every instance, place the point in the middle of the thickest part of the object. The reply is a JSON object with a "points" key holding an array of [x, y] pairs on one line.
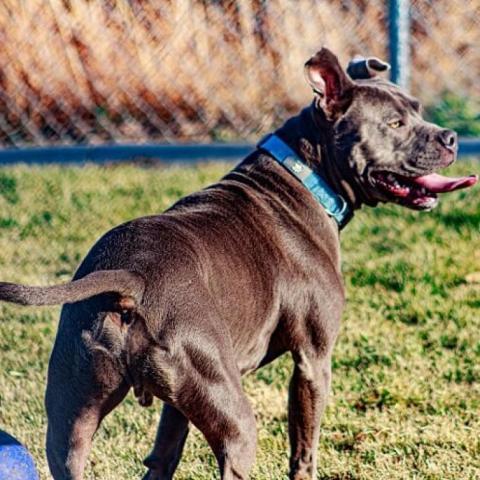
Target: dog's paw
{"points": [[152, 475], [155, 470]]}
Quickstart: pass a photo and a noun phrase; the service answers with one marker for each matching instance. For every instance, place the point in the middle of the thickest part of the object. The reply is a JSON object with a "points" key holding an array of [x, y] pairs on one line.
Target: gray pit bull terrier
{"points": [[180, 305]]}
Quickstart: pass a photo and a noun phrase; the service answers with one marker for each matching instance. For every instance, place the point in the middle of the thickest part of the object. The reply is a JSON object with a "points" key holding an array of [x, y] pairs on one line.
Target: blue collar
{"points": [[334, 204]]}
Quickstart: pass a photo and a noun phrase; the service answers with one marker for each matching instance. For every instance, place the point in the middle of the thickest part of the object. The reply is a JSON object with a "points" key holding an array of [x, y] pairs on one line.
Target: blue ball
{"points": [[15, 461]]}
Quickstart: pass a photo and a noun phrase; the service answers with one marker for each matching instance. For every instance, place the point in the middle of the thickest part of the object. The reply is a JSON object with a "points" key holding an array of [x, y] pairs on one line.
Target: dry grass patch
{"points": [[76, 70]]}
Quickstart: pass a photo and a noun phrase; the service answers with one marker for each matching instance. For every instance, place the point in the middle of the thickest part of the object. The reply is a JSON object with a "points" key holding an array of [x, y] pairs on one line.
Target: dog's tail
{"points": [[128, 285]]}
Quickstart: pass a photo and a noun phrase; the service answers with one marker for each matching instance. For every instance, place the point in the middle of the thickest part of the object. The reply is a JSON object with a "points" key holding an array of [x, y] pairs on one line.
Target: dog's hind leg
{"points": [[193, 368], [207, 391], [216, 404], [224, 416], [71, 426], [167, 450], [84, 384]]}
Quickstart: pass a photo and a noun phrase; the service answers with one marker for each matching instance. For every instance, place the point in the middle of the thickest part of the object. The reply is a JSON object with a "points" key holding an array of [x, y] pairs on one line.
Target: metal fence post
{"points": [[399, 36]]}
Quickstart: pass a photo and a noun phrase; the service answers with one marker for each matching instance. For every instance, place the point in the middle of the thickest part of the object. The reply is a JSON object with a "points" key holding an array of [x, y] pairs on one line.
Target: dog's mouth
{"points": [[419, 193]]}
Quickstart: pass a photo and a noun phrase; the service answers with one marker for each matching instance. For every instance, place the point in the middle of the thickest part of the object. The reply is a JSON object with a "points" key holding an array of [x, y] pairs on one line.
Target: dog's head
{"points": [[379, 135]]}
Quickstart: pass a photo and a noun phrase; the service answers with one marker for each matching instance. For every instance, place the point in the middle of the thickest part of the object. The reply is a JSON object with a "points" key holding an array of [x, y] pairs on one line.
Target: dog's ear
{"points": [[361, 68], [330, 82]]}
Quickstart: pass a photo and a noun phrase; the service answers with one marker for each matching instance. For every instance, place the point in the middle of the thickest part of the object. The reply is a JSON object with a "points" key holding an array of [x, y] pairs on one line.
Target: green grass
{"points": [[406, 383]]}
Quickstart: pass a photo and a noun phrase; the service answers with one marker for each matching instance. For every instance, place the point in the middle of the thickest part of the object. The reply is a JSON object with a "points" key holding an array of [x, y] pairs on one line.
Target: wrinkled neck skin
{"points": [[313, 138]]}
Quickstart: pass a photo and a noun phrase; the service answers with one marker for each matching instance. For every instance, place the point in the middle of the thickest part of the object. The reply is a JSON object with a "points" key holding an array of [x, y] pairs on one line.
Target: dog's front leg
{"points": [[167, 450], [308, 394]]}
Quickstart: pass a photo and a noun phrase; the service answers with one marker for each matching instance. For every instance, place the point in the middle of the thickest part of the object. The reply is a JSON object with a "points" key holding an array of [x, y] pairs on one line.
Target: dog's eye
{"points": [[395, 124]]}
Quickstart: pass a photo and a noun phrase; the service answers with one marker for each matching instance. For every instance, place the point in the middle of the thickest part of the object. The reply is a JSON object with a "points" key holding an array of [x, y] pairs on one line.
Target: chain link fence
{"points": [[91, 71]]}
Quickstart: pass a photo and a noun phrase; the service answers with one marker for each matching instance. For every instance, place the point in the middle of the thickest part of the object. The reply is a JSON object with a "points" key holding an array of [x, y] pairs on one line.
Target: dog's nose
{"points": [[448, 139]]}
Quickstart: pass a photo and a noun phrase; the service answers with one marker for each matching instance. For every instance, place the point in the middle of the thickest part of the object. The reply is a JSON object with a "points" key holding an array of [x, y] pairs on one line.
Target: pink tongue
{"points": [[439, 184]]}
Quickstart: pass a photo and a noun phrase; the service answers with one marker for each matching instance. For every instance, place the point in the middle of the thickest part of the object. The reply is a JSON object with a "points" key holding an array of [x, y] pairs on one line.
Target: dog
{"points": [[180, 305]]}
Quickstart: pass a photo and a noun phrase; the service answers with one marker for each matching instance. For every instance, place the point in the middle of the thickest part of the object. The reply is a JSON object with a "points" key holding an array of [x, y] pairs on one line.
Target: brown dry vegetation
{"points": [[78, 70]]}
